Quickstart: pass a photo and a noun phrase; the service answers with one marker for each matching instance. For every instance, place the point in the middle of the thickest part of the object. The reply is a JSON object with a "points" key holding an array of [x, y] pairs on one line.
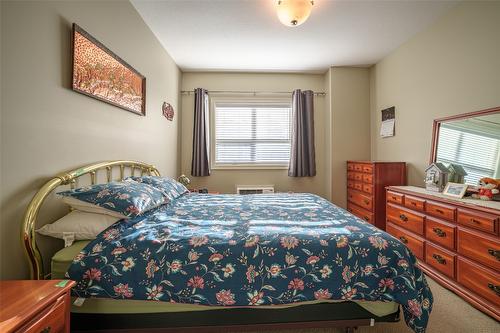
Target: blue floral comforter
{"points": [[251, 250]]}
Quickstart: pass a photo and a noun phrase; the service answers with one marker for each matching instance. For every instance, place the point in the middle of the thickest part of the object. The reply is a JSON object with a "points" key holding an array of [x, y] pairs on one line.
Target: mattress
{"points": [[63, 258]]}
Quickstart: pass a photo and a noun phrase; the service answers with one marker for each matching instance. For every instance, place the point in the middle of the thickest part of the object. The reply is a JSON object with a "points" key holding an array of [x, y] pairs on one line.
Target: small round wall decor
{"points": [[168, 111]]}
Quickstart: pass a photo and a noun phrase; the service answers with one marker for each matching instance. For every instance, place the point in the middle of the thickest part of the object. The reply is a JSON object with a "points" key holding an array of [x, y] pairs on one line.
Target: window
{"points": [[476, 151], [252, 134]]}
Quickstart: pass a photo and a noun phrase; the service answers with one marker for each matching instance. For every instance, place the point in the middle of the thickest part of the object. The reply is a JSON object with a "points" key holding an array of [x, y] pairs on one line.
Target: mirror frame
{"points": [[437, 124]]}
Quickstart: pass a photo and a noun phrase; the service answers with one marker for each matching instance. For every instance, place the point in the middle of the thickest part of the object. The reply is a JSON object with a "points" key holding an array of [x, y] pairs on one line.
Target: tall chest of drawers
{"points": [[366, 182], [456, 241]]}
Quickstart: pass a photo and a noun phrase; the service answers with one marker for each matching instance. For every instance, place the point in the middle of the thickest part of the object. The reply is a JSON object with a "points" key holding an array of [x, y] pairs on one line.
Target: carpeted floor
{"points": [[450, 314]]}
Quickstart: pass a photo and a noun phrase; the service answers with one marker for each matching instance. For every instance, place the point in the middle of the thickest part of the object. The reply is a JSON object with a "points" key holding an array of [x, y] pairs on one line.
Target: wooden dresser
{"points": [[456, 241], [35, 306], [366, 182]]}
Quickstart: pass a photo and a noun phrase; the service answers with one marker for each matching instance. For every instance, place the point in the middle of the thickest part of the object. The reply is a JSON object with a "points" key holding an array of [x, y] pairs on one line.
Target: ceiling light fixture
{"points": [[294, 12]]}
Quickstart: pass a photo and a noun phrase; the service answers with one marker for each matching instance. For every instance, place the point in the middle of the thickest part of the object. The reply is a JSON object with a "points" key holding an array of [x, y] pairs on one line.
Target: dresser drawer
{"points": [[412, 221], [361, 200], [478, 220], [395, 197], [414, 203], [440, 210], [440, 259], [479, 247], [367, 178], [358, 176], [368, 188], [367, 168], [358, 167], [51, 319], [414, 243], [439, 232], [358, 186], [480, 280], [350, 183], [360, 212]]}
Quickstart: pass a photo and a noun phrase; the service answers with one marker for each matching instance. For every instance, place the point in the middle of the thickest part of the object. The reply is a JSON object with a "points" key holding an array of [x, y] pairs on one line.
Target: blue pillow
{"points": [[170, 187], [127, 198]]}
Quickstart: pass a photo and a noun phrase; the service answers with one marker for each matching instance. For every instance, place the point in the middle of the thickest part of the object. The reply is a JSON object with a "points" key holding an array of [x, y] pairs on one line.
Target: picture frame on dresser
{"points": [[455, 190]]}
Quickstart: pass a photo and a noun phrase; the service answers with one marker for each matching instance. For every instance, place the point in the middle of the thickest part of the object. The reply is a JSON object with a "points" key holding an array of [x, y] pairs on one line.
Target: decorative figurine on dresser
{"points": [[436, 177], [456, 173], [366, 182]]}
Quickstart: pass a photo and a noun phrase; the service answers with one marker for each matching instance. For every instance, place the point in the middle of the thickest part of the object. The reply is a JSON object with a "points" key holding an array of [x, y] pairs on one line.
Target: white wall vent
{"points": [[254, 189]]}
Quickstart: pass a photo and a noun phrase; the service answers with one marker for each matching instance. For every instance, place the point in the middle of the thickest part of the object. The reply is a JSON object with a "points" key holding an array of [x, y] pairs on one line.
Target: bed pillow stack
{"points": [[97, 207]]}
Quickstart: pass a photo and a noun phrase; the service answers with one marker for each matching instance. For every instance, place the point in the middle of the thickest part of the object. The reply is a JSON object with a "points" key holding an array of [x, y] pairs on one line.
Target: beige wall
{"points": [[342, 128], [350, 124], [47, 128], [452, 67], [226, 180]]}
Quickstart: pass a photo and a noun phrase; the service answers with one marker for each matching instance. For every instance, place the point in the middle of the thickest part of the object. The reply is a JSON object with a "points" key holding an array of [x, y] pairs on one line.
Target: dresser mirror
{"points": [[470, 140]]}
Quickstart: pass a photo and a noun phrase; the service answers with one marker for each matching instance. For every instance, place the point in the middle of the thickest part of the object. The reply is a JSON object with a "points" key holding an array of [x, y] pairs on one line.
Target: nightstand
{"points": [[35, 306]]}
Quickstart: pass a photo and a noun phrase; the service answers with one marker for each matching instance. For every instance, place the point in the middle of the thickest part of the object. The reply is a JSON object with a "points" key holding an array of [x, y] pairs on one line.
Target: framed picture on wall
{"points": [[101, 74]]}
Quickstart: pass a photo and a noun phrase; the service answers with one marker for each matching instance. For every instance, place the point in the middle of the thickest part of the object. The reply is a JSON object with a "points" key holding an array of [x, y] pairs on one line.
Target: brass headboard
{"points": [[68, 178]]}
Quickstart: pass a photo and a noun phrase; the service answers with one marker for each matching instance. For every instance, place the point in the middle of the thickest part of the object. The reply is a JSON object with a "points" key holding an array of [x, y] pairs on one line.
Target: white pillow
{"points": [[90, 208], [78, 225]]}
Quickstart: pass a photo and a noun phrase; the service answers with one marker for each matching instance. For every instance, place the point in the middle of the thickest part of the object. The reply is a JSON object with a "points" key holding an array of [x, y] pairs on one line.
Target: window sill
{"points": [[248, 167]]}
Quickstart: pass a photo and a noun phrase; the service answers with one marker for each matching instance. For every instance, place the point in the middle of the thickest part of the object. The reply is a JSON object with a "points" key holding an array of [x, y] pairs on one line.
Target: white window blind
{"points": [[478, 154], [252, 134]]}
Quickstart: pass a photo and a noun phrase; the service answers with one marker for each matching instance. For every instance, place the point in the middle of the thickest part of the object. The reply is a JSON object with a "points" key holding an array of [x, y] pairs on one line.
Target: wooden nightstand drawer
{"points": [[51, 319], [35, 306]]}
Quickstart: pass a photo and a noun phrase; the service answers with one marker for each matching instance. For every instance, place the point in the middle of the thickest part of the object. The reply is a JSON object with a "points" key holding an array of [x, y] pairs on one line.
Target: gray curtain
{"points": [[302, 155], [201, 139]]}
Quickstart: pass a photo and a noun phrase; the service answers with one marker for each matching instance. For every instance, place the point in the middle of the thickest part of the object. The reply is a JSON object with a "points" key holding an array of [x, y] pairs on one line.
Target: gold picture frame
{"points": [[99, 73]]}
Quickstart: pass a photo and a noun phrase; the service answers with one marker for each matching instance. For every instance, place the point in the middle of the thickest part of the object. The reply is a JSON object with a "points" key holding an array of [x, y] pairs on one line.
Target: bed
{"points": [[230, 261]]}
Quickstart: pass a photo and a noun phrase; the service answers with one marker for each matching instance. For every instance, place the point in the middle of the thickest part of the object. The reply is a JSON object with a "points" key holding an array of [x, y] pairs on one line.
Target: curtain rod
{"points": [[189, 92]]}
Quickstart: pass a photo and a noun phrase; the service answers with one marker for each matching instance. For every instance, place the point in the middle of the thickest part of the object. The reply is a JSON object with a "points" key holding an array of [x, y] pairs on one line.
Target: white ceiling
{"points": [[239, 35]]}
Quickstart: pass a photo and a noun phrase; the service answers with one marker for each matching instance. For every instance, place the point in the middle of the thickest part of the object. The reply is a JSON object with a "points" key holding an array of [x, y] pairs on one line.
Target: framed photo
{"points": [[455, 190], [101, 74]]}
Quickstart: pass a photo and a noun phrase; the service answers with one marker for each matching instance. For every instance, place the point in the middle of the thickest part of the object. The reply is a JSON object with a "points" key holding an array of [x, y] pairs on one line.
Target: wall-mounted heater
{"points": [[254, 189]]}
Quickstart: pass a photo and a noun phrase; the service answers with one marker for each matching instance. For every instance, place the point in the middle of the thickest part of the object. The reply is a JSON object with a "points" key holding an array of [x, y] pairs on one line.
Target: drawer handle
{"points": [[439, 232], [366, 218], [439, 211], [366, 201], [496, 289], [394, 198], [439, 259], [475, 221], [494, 253], [414, 203], [403, 239], [46, 330], [403, 217]]}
